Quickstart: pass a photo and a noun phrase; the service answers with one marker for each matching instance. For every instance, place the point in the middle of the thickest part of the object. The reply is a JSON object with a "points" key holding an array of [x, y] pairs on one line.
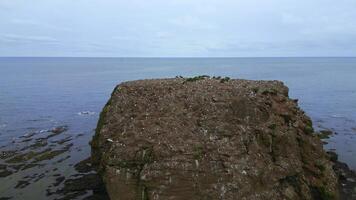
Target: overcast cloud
{"points": [[164, 28]]}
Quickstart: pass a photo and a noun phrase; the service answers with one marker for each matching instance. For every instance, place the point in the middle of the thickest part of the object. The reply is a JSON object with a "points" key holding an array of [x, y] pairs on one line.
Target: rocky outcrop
{"points": [[209, 138]]}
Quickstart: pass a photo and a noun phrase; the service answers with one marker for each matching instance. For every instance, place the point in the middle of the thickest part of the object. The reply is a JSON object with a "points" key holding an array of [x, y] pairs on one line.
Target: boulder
{"points": [[209, 138]]}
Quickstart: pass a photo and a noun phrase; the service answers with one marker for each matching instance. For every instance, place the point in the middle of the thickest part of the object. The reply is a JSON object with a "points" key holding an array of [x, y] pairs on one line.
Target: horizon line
{"points": [[178, 57]]}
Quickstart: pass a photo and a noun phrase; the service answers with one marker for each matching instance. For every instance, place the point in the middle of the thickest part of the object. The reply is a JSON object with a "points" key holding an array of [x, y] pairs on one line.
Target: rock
{"points": [[347, 179], [59, 180], [75, 188], [22, 184], [4, 173], [59, 129], [203, 138], [6, 154], [28, 135], [324, 134], [5, 198], [84, 166], [333, 156]]}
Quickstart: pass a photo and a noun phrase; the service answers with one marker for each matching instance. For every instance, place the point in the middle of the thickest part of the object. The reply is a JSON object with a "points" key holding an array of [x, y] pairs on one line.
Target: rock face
{"points": [[209, 138]]}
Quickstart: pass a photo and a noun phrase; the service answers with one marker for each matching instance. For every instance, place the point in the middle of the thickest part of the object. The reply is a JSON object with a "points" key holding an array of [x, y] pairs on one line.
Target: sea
{"points": [[41, 95]]}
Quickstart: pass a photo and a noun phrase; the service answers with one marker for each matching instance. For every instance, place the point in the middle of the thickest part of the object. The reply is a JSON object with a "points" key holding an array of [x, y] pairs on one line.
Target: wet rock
{"points": [[324, 134], [64, 140], [28, 135], [30, 165], [23, 156], [203, 138], [84, 166], [27, 140], [74, 188], [39, 177], [54, 132], [79, 135], [73, 195], [26, 156], [6, 154], [4, 172], [38, 144], [86, 182], [63, 159], [2, 166], [5, 198], [16, 167], [347, 179], [333, 156], [48, 155], [59, 129], [22, 184], [97, 196], [59, 180]]}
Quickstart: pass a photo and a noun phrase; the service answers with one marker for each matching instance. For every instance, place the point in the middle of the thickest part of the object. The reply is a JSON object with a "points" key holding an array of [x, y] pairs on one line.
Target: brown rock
{"points": [[209, 139]]}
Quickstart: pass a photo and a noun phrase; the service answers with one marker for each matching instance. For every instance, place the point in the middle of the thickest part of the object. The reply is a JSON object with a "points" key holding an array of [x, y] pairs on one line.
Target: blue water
{"points": [[38, 93]]}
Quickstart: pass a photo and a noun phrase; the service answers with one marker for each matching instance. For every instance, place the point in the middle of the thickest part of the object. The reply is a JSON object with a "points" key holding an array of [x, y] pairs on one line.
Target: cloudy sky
{"points": [[166, 28]]}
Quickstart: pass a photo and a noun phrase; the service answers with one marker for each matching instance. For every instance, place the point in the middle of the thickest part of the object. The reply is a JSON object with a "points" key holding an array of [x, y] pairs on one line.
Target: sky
{"points": [[177, 28]]}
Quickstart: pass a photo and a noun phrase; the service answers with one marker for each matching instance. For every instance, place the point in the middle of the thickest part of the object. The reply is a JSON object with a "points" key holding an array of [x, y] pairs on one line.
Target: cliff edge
{"points": [[209, 138]]}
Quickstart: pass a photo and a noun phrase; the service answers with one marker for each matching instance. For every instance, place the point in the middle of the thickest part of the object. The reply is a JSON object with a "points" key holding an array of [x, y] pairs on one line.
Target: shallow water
{"points": [[41, 93]]}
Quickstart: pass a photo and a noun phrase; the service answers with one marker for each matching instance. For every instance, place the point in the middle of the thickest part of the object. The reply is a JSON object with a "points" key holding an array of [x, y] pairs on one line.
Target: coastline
{"points": [[347, 178]]}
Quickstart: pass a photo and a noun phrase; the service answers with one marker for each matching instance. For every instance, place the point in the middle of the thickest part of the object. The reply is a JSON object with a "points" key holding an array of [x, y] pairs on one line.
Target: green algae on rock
{"points": [[209, 139]]}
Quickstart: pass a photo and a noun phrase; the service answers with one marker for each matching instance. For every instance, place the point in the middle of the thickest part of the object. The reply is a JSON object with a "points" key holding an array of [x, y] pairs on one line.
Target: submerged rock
{"points": [[324, 134], [347, 178], [59, 129], [205, 138]]}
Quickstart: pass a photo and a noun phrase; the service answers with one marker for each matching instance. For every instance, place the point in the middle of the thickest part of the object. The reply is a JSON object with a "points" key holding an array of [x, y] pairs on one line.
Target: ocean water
{"points": [[37, 94]]}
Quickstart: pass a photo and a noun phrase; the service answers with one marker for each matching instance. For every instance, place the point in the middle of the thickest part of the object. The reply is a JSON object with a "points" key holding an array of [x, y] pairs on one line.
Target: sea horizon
{"points": [[206, 57]]}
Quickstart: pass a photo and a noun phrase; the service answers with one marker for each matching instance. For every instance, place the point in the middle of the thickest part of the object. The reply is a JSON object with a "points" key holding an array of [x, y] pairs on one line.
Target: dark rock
{"points": [[347, 180], [22, 184], [64, 140], [4, 172], [28, 135], [74, 188], [54, 132], [48, 155], [59, 180], [84, 166], [38, 144], [333, 156], [5, 198], [29, 166], [204, 139], [7, 154], [63, 159], [59, 129], [25, 156], [324, 134]]}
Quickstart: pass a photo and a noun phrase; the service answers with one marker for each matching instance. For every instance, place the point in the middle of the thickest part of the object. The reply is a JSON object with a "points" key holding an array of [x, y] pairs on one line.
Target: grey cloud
{"points": [[191, 22], [178, 28], [28, 39], [38, 24], [12, 38]]}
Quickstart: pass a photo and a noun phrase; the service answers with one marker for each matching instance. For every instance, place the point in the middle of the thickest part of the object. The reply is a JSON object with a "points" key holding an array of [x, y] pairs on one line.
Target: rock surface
{"points": [[209, 138]]}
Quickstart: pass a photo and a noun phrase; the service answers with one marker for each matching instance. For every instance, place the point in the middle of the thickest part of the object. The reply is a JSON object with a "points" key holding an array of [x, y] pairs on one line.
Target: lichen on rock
{"points": [[209, 139]]}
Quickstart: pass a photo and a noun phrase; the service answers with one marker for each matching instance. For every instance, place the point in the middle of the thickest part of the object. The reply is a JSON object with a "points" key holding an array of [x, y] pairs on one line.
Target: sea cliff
{"points": [[209, 138]]}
